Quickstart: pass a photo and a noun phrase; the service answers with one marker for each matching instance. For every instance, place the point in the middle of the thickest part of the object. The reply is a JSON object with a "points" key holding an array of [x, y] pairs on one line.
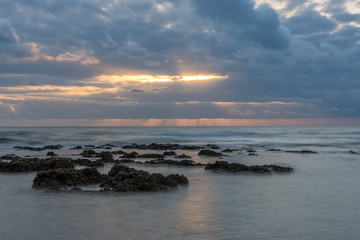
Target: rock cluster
{"points": [[60, 178], [125, 179], [188, 163], [209, 153], [223, 166], [47, 147], [35, 164]]}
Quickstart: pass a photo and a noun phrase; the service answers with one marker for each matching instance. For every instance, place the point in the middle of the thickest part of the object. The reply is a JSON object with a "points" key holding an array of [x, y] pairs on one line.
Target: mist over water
{"points": [[320, 200]]}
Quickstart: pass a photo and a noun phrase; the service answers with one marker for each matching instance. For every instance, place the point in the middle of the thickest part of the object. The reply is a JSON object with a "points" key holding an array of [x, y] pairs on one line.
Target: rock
{"points": [[9, 157], [35, 164], [119, 152], [251, 151], [151, 155], [124, 179], [169, 153], [130, 155], [227, 150], [252, 154], [212, 146], [302, 152], [125, 161], [88, 163], [155, 146], [273, 150], [51, 154], [77, 148], [59, 178], [182, 156], [209, 153], [105, 157], [88, 153], [89, 146], [187, 163], [223, 166], [352, 152]]}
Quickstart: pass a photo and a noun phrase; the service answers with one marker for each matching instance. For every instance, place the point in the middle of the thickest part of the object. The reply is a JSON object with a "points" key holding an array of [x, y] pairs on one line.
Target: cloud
{"points": [[78, 56]]}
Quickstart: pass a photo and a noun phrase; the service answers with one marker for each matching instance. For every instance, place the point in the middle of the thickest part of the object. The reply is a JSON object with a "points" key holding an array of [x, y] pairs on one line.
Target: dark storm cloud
{"points": [[305, 58], [309, 22]]}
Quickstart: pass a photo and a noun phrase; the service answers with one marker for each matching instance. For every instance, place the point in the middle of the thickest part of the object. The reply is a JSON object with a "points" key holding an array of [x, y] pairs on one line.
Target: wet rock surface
{"points": [[223, 166], [47, 147], [125, 179], [188, 163], [35, 164], [60, 178], [209, 153], [167, 146], [88, 163], [302, 152]]}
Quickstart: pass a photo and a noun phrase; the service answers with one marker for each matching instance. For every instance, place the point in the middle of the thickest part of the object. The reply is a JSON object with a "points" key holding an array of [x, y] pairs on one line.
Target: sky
{"points": [[179, 62]]}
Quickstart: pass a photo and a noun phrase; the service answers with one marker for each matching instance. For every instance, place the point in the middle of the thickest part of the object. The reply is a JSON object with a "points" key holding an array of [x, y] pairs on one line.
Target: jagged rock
{"points": [[182, 156], [223, 166], [169, 153], [273, 150], [35, 164], [51, 154], [302, 152], [227, 150], [167, 146], [88, 163], [88, 153], [124, 179], [130, 155], [188, 163], [47, 147], [105, 157], [59, 178], [209, 153], [77, 148], [151, 155]]}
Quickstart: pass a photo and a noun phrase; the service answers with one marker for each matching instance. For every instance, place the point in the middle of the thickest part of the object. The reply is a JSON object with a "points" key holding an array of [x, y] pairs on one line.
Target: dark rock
{"points": [[105, 157], [88, 153], [222, 166], [9, 157], [77, 148], [251, 151], [252, 154], [53, 147], [273, 150], [209, 153], [352, 152], [169, 153], [124, 179], [155, 146], [188, 163], [35, 164], [88, 163], [130, 155], [182, 156], [51, 154], [89, 146], [59, 178], [227, 150], [302, 152], [151, 155], [119, 152], [212, 146]]}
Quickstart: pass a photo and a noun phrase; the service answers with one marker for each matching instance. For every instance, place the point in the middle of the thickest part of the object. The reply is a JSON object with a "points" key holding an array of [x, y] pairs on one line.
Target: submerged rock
{"points": [[50, 154], [228, 150], [125, 179], [59, 178], [182, 156], [169, 153], [223, 166], [47, 147], [130, 155], [209, 153], [273, 150], [35, 164], [302, 152], [188, 163], [88, 163], [167, 146]]}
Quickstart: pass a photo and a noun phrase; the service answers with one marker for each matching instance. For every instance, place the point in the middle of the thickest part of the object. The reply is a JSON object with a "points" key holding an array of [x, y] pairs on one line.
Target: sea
{"points": [[319, 200]]}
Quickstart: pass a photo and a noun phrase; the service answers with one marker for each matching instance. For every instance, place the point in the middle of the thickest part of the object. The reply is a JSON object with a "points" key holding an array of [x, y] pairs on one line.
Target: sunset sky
{"points": [[180, 62]]}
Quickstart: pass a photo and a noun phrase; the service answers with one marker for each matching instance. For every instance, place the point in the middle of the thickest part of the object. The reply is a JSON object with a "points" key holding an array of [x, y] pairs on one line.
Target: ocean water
{"points": [[320, 200]]}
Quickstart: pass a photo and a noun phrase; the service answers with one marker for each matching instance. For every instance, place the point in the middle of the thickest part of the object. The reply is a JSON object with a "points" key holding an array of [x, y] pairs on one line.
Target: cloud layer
{"points": [[234, 59]]}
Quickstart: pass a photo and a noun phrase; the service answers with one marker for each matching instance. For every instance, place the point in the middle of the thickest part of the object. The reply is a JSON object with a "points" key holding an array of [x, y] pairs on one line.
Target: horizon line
{"points": [[180, 122]]}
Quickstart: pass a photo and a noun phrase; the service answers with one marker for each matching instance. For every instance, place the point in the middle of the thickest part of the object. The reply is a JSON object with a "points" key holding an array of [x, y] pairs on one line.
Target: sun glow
{"points": [[115, 79]]}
